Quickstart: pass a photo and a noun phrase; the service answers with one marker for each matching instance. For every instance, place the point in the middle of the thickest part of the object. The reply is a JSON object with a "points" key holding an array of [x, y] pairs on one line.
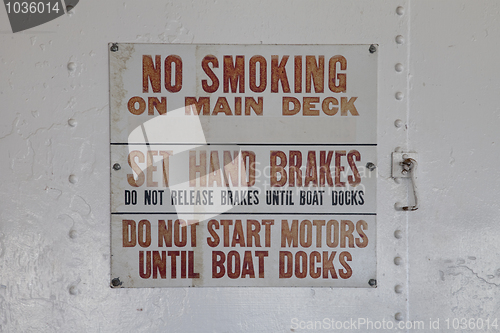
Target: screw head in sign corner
{"points": [[370, 166], [373, 283], [114, 47], [116, 283], [373, 48], [117, 166]]}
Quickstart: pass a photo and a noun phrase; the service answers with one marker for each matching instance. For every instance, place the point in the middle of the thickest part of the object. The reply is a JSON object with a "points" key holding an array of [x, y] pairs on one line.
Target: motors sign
{"points": [[243, 165]]}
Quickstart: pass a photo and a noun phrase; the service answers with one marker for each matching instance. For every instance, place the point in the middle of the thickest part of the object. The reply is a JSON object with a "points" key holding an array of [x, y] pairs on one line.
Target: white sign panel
{"points": [[243, 165]]}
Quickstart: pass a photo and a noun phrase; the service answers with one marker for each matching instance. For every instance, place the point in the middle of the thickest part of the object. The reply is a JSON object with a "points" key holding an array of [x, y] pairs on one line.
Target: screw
{"points": [[372, 48], [114, 47], [373, 283], [117, 166], [370, 166], [116, 282], [69, 8]]}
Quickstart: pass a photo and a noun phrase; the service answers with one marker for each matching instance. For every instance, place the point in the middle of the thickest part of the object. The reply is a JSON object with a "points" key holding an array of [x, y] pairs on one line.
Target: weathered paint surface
{"points": [[453, 239], [307, 128], [54, 218]]}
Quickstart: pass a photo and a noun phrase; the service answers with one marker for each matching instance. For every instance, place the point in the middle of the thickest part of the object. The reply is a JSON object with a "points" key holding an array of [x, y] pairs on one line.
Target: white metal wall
{"points": [[454, 250], [54, 139]]}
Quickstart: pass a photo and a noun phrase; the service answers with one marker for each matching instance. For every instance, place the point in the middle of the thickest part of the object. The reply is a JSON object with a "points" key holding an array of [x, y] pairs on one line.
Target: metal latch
{"points": [[404, 165]]}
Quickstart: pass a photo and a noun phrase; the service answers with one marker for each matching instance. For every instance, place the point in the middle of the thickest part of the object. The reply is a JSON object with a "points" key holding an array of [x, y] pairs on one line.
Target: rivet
{"points": [[400, 10], [73, 234], [117, 166], [398, 316], [398, 261], [116, 282], [398, 234], [398, 123], [73, 179], [370, 166], [399, 95], [73, 290], [69, 8], [372, 283], [372, 48], [398, 289], [114, 47], [72, 122], [399, 67], [400, 39], [71, 66], [397, 180]]}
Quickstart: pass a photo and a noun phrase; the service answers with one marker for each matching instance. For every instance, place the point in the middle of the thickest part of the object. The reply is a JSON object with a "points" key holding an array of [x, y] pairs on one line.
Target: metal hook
{"points": [[404, 166], [410, 165]]}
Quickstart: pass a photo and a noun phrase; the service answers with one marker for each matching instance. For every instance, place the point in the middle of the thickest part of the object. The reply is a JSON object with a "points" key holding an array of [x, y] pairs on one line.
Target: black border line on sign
{"points": [[234, 213], [242, 144]]}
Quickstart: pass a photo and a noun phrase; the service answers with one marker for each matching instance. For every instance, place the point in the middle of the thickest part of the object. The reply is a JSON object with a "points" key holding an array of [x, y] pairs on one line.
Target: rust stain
{"points": [[198, 255], [117, 65]]}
